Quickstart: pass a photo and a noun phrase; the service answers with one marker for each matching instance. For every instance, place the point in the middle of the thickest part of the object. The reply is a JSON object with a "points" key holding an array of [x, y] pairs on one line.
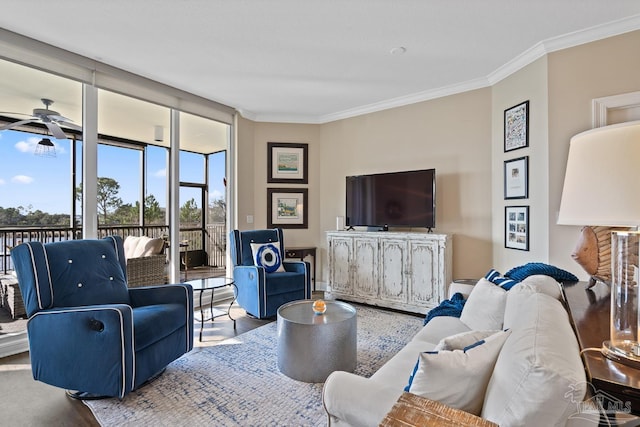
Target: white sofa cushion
{"points": [[484, 309], [397, 369], [458, 378], [438, 328], [538, 366]]}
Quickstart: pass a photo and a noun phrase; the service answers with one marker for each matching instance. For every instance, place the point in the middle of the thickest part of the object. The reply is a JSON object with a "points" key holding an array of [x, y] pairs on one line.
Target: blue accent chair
{"points": [[87, 330], [261, 293]]}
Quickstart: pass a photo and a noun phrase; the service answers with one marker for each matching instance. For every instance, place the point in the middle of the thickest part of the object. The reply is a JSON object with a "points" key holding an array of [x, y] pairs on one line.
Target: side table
{"points": [[301, 253], [311, 346], [212, 284], [615, 385]]}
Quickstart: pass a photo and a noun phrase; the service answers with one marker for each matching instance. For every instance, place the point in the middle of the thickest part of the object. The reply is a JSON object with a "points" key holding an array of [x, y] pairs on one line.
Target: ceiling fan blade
{"points": [[14, 124], [2, 113], [55, 130], [70, 125], [59, 118]]}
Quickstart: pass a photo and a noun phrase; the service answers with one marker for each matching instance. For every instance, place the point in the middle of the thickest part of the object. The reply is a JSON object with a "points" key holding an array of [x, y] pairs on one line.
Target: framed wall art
{"points": [[516, 178], [516, 233], [516, 127], [287, 163], [287, 208]]}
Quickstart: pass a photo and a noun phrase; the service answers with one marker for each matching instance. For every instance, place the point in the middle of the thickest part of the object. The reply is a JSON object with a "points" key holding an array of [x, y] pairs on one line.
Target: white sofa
{"points": [[538, 377]]}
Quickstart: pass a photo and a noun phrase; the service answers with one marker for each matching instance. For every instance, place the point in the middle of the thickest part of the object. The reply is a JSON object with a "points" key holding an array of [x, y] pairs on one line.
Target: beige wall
{"points": [[450, 134], [252, 175], [576, 76], [462, 137], [529, 83]]}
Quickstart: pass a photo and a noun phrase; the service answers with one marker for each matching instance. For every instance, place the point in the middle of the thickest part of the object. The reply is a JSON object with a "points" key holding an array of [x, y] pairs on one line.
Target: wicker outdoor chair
{"points": [[146, 261], [146, 270]]}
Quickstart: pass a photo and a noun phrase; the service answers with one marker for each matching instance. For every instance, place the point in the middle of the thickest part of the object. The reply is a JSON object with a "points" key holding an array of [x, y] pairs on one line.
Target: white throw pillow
{"points": [[463, 339], [130, 244], [484, 309], [268, 256], [458, 378], [149, 246]]}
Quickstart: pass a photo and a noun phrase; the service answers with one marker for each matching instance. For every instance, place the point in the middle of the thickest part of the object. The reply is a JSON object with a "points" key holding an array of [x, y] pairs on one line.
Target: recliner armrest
{"points": [[65, 359], [162, 294], [295, 266]]}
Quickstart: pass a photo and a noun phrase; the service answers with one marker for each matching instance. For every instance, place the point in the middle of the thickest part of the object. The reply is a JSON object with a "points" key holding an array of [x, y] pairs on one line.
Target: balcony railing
{"points": [[212, 239]]}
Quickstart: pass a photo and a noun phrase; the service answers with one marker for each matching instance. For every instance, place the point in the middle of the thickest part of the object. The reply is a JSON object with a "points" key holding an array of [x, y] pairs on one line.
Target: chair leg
{"points": [[83, 395]]}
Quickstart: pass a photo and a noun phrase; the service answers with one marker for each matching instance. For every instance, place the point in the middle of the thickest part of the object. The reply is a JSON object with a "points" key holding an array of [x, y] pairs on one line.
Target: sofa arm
{"points": [[353, 400], [464, 288]]}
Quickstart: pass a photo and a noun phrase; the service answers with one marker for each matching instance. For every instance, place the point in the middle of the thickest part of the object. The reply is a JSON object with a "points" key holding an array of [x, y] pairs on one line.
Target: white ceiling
{"points": [[315, 61]]}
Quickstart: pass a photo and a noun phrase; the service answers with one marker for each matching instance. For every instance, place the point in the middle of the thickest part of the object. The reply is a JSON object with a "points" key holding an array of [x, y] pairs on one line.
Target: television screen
{"points": [[398, 199]]}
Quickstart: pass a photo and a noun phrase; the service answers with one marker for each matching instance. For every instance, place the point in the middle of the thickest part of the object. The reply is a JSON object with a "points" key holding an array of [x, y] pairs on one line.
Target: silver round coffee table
{"points": [[311, 346]]}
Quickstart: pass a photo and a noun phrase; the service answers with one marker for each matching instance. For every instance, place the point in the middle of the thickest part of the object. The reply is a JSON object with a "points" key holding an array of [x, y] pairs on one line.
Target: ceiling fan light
{"points": [[45, 148]]}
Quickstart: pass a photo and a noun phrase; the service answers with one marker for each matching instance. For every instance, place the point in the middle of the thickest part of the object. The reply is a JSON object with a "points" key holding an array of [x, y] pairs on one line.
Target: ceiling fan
{"points": [[51, 119]]}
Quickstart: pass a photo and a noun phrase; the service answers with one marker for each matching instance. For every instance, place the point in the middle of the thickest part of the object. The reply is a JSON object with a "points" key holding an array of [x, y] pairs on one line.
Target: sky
{"points": [[43, 183]]}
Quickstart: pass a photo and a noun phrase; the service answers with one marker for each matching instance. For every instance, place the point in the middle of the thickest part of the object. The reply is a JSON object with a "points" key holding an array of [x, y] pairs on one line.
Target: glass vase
{"points": [[624, 294]]}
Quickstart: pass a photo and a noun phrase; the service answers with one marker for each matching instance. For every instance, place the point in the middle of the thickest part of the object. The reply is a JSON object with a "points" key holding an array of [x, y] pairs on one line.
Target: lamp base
{"points": [[617, 355]]}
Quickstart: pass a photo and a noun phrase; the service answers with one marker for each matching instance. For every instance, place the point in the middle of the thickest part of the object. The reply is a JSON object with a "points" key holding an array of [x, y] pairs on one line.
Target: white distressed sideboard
{"points": [[405, 271]]}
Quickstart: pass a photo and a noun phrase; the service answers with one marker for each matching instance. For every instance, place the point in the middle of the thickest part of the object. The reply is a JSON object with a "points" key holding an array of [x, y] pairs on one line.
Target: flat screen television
{"points": [[397, 199]]}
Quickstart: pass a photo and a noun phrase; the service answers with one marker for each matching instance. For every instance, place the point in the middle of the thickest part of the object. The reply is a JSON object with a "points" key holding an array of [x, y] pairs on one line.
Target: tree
{"points": [[218, 210], [190, 213], [153, 213], [108, 199], [126, 214]]}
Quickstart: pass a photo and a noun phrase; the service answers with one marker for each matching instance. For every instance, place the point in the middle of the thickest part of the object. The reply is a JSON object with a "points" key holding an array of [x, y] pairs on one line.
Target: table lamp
{"points": [[600, 184]]}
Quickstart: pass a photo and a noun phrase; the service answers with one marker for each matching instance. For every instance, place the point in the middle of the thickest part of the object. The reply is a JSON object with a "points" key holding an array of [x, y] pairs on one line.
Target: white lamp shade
{"points": [[603, 177]]}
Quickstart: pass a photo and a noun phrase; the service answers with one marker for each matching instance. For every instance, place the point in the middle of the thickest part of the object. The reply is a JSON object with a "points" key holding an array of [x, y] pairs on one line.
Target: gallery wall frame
{"points": [[516, 227], [287, 163], [287, 207], [516, 178], [516, 127]]}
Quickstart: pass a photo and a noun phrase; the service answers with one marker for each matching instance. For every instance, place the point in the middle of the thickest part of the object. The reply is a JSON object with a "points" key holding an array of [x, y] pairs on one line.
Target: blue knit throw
{"points": [[522, 272], [449, 307]]}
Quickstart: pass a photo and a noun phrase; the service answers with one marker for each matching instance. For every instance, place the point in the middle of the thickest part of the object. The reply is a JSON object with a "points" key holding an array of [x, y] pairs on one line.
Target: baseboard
{"points": [[11, 344]]}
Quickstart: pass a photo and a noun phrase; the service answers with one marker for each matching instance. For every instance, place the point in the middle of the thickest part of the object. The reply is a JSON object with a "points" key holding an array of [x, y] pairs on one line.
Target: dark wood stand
{"points": [[617, 385], [302, 252]]}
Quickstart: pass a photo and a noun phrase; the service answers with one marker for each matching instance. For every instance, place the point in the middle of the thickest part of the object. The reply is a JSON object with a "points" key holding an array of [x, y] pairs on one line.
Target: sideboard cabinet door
{"points": [[340, 255], [393, 270]]}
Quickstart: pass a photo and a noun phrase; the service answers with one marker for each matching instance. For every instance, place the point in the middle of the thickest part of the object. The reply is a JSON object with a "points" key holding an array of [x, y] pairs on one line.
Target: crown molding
{"points": [[566, 41], [537, 51], [407, 100]]}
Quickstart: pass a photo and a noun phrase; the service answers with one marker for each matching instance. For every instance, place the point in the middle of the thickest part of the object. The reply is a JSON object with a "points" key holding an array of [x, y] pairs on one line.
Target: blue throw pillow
{"points": [[504, 282], [532, 268]]}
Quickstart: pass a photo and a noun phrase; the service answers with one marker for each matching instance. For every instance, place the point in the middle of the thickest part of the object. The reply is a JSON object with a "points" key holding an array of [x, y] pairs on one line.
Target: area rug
{"points": [[237, 382]]}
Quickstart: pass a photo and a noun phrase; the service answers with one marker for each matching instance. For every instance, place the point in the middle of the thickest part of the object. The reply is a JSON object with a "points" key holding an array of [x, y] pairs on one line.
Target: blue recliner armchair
{"points": [[260, 289], [88, 332]]}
